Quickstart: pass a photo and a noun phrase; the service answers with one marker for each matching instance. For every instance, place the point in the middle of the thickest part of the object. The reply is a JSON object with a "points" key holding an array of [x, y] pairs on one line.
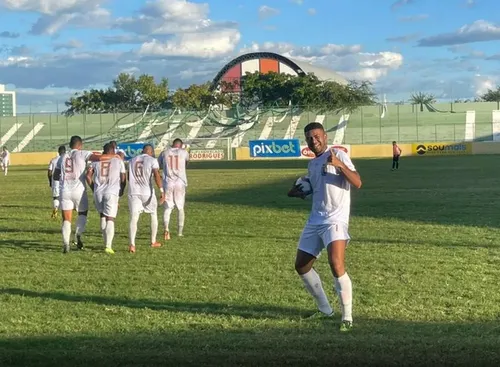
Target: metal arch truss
{"points": [[253, 56]]}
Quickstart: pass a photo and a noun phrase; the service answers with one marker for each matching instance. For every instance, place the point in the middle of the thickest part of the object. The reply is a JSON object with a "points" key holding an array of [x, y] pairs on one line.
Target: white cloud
{"points": [[71, 44], [298, 2], [348, 60], [311, 11], [483, 82], [57, 14], [203, 45], [267, 12], [478, 31]]}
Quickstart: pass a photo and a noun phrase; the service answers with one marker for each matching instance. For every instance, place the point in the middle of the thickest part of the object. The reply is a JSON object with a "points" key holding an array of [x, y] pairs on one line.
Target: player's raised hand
{"points": [[333, 160]]}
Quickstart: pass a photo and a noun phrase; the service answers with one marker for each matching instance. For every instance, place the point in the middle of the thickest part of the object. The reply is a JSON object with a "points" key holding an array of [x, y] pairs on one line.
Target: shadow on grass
{"points": [[372, 343], [254, 312], [428, 190]]}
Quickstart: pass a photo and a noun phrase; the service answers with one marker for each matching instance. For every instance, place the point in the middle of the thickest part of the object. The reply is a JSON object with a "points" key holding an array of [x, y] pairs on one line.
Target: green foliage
{"points": [[129, 93], [422, 99], [280, 90]]}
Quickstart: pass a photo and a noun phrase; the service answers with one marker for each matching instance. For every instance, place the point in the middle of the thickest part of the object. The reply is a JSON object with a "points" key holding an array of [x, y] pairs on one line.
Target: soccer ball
{"points": [[305, 183]]}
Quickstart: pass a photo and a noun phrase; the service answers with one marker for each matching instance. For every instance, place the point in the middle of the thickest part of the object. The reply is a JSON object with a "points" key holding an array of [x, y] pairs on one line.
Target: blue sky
{"points": [[50, 49]]}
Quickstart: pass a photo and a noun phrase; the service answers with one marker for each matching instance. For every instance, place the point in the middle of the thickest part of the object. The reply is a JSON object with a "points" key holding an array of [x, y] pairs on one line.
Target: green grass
{"points": [[424, 261]]}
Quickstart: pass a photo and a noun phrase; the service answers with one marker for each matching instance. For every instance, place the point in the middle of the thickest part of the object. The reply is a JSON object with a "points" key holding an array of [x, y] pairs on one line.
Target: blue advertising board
{"points": [[284, 148], [131, 149]]}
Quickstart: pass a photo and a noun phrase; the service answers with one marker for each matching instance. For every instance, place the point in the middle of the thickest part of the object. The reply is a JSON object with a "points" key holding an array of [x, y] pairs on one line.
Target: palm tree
{"points": [[422, 99]]}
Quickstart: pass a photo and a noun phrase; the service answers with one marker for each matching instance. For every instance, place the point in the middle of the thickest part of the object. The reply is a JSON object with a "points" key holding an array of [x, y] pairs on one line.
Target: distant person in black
{"points": [[396, 153]]}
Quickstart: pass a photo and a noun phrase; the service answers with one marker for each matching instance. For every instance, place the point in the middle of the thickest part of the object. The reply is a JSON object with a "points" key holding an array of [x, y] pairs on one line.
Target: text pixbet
{"points": [[274, 148]]}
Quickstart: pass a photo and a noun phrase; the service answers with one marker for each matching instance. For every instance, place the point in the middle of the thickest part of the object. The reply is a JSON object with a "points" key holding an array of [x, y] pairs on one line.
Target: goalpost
{"points": [[209, 149]]}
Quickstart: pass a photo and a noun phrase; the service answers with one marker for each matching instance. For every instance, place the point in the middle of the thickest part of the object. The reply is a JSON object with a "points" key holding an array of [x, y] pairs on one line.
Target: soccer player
{"points": [[173, 162], [5, 160], [73, 191], [117, 150], [107, 180], [54, 174], [141, 194], [396, 153], [332, 174]]}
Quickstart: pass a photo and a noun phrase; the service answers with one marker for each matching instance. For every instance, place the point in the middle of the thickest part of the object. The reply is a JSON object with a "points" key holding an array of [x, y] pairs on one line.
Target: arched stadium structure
{"points": [[265, 62]]}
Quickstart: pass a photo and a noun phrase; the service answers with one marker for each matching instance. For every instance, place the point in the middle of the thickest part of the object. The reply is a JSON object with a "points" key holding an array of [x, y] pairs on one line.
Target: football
{"points": [[305, 183]]}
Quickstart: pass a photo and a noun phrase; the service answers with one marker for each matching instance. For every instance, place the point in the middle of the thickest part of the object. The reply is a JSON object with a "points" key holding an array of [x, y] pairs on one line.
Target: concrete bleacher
{"points": [[404, 123]]}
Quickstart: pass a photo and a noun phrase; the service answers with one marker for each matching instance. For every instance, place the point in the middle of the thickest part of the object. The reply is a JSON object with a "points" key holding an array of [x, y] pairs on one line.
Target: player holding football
{"points": [[173, 162], [73, 191], [141, 194], [5, 160], [54, 175], [331, 174], [107, 180]]}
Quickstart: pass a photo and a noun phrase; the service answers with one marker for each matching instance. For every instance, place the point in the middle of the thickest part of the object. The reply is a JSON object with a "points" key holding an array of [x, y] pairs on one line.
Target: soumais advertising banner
{"points": [[436, 149]]}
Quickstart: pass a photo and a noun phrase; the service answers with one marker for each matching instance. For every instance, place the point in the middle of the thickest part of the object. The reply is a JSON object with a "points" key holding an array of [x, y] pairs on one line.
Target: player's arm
{"points": [[49, 176], [123, 178], [89, 177], [157, 177], [346, 168]]}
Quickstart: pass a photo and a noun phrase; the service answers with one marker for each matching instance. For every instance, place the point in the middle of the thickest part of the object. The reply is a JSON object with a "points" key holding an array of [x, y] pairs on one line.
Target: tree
{"points": [[422, 99], [127, 94], [492, 96]]}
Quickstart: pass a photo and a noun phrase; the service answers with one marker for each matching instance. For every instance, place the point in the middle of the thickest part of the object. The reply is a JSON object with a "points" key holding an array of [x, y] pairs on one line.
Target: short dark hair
{"points": [[146, 146], [107, 148], [177, 140], [394, 142], [75, 139], [313, 126], [113, 143], [62, 149]]}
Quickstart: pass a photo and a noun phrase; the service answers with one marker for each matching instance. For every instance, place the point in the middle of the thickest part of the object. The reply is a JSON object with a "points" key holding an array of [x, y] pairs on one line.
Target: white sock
{"points": [[55, 204], [343, 286], [132, 231], [66, 232], [166, 218], [81, 222], [154, 227], [313, 285], [6, 169], [109, 233], [182, 217], [103, 224]]}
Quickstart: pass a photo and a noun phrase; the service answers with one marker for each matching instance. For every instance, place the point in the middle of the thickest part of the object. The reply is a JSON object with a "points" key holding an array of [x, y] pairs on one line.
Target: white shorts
{"points": [[142, 203], [5, 163], [74, 200], [175, 195], [106, 204], [316, 237], [55, 189]]}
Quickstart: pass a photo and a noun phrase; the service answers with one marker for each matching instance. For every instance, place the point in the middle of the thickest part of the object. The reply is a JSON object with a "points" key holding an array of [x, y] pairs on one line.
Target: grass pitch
{"points": [[424, 261]]}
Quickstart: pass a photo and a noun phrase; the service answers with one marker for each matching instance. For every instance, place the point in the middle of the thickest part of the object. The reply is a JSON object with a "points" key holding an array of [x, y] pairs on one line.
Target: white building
{"points": [[7, 102]]}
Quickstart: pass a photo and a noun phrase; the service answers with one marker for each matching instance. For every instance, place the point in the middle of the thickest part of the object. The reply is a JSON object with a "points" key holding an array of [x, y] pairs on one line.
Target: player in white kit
{"points": [[54, 175], [141, 194], [107, 179], [331, 174], [5, 160], [173, 162], [73, 194]]}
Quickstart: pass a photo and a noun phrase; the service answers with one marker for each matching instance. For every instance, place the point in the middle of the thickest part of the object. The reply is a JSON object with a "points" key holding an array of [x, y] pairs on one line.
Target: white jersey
{"points": [[73, 167], [107, 176], [5, 156], [55, 168], [140, 170], [173, 164], [331, 198]]}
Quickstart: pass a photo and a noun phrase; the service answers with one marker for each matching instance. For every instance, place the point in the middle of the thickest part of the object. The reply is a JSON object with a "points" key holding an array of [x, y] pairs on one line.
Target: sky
{"points": [[50, 49]]}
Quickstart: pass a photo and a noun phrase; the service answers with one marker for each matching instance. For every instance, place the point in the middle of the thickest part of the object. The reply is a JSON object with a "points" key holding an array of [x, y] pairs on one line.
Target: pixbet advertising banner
{"points": [[305, 152], [131, 149], [284, 148], [428, 149], [206, 155]]}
